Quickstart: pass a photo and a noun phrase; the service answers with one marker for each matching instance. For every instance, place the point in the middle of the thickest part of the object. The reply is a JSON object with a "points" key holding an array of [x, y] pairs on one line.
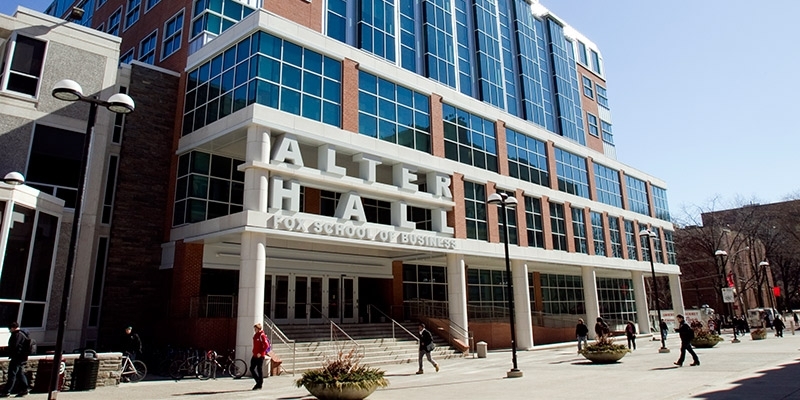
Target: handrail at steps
{"points": [[359, 348], [275, 331], [369, 311]]}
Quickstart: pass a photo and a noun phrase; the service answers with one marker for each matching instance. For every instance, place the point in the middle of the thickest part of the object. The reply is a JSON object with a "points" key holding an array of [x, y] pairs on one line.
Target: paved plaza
{"points": [[765, 369]]}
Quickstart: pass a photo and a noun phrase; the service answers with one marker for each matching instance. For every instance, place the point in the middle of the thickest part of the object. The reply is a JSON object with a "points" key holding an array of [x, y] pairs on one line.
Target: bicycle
{"points": [[186, 366], [235, 367], [131, 370]]}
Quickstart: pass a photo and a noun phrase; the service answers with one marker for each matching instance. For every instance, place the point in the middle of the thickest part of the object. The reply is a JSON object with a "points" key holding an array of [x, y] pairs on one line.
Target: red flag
{"points": [[776, 291], [730, 279]]}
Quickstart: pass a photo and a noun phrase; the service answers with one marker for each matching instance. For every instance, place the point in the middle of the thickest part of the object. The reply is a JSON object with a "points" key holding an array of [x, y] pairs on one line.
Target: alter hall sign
{"points": [[289, 172]]}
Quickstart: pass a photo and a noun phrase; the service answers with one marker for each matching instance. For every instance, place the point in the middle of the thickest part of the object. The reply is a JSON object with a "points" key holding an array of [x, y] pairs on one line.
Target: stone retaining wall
{"points": [[107, 373]]}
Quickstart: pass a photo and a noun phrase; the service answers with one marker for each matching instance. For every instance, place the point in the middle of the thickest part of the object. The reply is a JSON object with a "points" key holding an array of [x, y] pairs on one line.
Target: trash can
{"points": [[44, 372], [481, 348], [84, 372]]}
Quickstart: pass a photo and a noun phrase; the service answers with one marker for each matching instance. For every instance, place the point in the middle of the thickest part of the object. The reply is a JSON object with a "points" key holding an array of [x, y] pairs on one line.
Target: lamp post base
{"points": [[663, 350], [514, 373]]}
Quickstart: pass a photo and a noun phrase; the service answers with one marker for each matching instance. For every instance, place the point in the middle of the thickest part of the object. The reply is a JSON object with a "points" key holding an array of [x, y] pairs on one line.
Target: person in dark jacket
{"points": [[425, 339], [662, 326], [779, 325], [131, 343], [687, 334], [18, 355], [581, 332], [630, 333], [601, 328]]}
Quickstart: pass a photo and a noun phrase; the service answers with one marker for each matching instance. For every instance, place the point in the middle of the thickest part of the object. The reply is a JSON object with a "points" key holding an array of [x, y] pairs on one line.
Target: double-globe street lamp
{"points": [[506, 202], [120, 103], [649, 236]]}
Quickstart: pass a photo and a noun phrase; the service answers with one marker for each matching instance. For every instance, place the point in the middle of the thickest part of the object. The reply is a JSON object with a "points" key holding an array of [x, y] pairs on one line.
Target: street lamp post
{"points": [[763, 266], [505, 202], [649, 235], [722, 256], [120, 103]]}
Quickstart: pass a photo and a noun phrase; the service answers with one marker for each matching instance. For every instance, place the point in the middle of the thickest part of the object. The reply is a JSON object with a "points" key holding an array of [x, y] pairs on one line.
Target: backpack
{"points": [[28, 344]]}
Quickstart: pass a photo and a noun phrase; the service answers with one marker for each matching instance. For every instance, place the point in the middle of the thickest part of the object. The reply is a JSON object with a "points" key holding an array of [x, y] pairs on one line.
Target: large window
{"points": [[588, 87], [562, 294], [55, 162], [533, 219], [579, 230], [114, 21], [591, 121], [267, 70], [475, 209], [598, 233], [469, 138], [527, 158], [393, 113], [672, 257], [602, 96], [607, 185], [660, 203], [558, 226], [147, 48], [132, 15], [511, 222], [173, 34], [424, 282], [216, 16], [637, 195], [438, 33], [23, 70], [111, 186], [616, 237], [486, 293], [209, 186], [615, 297], [630, 240], [571, 173], [376, 28], [337, 20], [26, 271]]}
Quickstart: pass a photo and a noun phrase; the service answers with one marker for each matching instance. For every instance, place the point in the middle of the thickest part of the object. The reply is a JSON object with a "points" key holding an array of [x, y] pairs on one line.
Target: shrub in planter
{"points": [[703, 338], [758, 334], [604, 351], [342, 378]]}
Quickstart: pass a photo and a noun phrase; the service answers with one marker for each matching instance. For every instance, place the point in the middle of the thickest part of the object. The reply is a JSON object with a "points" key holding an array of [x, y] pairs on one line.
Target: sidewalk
{"points": [[765, 369]]}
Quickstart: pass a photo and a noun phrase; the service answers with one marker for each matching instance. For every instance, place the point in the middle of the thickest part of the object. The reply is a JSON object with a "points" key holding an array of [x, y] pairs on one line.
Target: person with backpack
{"points": [[687, 334], [426, 346], [261, 347], [19, 345], [630, 333], [131, 343]]}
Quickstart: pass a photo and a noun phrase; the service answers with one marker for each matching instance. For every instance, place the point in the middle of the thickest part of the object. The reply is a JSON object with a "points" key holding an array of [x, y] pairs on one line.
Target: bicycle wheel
{"points": [[237, 368], [206, 369], [140, 370], [176, 369]]}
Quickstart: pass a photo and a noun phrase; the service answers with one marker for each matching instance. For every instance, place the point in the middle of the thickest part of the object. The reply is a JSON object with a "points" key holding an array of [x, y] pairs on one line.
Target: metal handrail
{"points": [[275, 331], [371, 306], [359, 347]]}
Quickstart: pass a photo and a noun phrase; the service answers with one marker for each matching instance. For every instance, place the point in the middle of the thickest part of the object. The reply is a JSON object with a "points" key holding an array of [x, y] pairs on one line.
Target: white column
{"points": [[457, 296], [590, 297], [251, 289], [522, 305], [643, 313], [676, 293], [256, 181]]}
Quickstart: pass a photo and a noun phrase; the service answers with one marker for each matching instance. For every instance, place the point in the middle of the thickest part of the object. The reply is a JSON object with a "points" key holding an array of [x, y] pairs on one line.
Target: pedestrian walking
{"points": [[687, 334], [662, 326], [18, 345], [581, 332], [779, 325], [261, 347], [425, 347], [630, 333]]}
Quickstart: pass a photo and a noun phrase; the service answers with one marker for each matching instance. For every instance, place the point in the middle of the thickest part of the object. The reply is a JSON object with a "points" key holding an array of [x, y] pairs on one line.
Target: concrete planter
{"points": [[604, 357], [706, 342], [758, 335], [345, 392]]}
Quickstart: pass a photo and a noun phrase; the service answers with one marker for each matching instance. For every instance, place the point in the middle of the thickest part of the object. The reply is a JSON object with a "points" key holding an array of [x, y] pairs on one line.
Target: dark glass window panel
{"points": [[240, 98], [200, 163], [219, 190], [312, 107], [269, 69], [32, 315], [216, 210], [267, 94], [195, 210], [237, 193], [331, 114], [54, 146], [198, 186], [179, 213], [331, 91], [292, 54], [290, 101], [292, 77], [28, 56], [9, 313], [18, 246], [41, 258]]}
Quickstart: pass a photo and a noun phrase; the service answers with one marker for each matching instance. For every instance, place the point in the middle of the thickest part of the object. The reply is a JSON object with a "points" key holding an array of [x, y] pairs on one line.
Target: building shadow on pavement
{"points": [[210, 392], [780, 382]]}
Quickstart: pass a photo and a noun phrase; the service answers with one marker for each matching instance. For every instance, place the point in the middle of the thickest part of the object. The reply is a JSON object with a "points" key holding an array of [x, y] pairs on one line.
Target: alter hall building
{"points": [[299, 162]]}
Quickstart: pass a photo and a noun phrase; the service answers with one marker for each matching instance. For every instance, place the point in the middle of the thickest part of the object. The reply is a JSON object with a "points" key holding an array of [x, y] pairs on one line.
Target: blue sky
{"points": [[700, 91]]}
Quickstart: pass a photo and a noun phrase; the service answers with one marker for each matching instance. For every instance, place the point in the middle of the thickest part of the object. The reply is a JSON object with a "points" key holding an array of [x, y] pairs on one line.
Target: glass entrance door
{"points": [[297, 299]]}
